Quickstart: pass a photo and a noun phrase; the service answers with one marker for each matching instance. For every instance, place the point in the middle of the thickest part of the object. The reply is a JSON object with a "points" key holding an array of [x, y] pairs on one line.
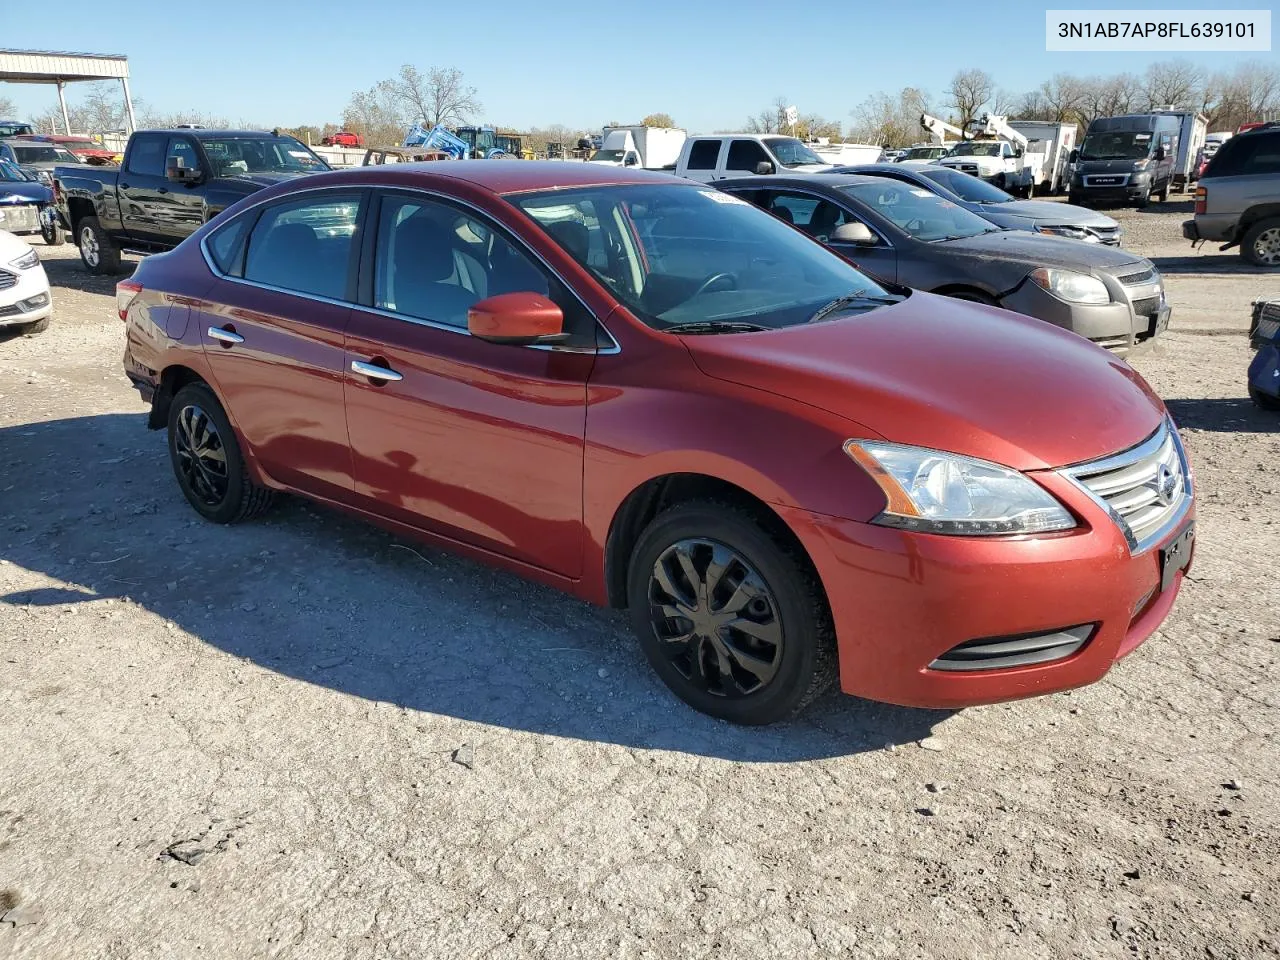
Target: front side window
{"points": [[180, 148], [744, 155], [816, 216], [305, 246], [919, 213], [433, 262], [703, 154], [146, 155], [238, 155], [676, 255]]}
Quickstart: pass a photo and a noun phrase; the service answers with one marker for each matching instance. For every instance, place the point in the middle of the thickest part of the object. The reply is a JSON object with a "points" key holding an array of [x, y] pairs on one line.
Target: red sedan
{"points": [[653, 395]]}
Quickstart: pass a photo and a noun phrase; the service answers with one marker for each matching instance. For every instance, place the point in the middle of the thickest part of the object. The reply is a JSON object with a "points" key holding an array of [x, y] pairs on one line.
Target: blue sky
{"points": [[709, 63]]}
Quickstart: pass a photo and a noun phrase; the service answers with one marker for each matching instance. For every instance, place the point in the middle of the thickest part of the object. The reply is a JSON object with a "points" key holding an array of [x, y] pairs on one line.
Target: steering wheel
{"points": [[712, 280]]}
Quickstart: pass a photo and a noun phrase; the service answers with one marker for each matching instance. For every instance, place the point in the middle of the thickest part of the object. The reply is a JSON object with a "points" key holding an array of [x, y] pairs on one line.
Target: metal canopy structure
{"points": [[59, 69]]}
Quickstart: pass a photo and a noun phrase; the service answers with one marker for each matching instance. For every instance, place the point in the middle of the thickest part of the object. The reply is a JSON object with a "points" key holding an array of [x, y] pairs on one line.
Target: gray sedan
{"points": [[905, 234], [992, 203]]}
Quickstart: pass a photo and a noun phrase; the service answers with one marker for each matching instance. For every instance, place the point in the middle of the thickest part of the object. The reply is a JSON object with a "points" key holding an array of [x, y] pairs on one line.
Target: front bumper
{"points": [[902, 600], [19, 303], [1212, 227], [1116, 325], [1126, 193], [20, 218]]}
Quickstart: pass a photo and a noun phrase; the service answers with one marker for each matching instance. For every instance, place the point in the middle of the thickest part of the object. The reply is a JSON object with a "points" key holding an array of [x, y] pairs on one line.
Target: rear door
{"points": [[704, 158], [142, 187], [273, 328], [477, 441]]}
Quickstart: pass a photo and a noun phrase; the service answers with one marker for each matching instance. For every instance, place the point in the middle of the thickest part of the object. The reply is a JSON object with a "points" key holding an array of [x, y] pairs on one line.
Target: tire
{"points": [[1145, 200], [1261, 243], [1075, 199], [98, 252], [52, 236], [39, 326], [221, 495], [783, 600], [1264, 401], [1163, 195]]}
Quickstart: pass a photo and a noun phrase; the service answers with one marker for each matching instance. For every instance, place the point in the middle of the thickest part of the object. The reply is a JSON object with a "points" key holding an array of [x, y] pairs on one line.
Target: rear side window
{"points": [[226, 246], [305, 246], [703, 154], [744, 155], [1246, 155], [146, 155]]}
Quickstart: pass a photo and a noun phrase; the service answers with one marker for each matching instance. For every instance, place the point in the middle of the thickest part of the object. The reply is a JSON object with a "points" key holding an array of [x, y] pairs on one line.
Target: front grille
{"points": [[1141, 277], [7, 280], [1147, 306], [1106, 181], [1146, 489], [1003, 652], [1108, 235]]}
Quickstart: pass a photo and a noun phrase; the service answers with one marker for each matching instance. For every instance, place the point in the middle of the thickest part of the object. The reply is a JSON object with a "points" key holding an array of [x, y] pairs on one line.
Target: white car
{"points": [[25, 300]]}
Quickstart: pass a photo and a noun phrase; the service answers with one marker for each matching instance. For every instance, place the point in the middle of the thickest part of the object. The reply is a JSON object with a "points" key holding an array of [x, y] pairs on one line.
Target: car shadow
{"points": [[328, 600], [69, 273], [1229, 263], [1223, 415]]}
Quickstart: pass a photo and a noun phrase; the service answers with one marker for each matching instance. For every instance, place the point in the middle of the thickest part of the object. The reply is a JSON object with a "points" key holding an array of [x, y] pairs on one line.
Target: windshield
{"points": [[1116, 145], [968, 187], [43, 155], [16, 130], [12, 173], [925, 153], [792, 153], [971, 148], [688, 255], [917, 212], [233, 155], [614, 156]]}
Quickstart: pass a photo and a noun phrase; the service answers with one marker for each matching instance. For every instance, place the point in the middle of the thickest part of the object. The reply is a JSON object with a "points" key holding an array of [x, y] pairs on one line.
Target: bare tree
{"points": [[891, 119], [772, 119], [374, 115], [437, 96], [1003, 102], [1063, 95], [1172, 83], [8, 108], [969, 92], [658, 120]]}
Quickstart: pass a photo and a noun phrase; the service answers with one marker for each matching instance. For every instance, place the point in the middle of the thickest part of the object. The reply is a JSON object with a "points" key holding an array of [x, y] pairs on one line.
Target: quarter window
{"points": [[433, 262], [305, 246], [226, 245], [703, 154]]}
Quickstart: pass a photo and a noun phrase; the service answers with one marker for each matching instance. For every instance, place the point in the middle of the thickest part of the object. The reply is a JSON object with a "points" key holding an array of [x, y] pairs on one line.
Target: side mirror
{"points": [[518, 319], [1160, 154], [859, 234], [764, 168], [178, 172], [1074, 157], [631, 160], [1017, 151]]}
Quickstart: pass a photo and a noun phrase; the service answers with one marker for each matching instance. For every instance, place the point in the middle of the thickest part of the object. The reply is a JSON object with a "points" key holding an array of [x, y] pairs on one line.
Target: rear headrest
{"points": [[424, 247]]}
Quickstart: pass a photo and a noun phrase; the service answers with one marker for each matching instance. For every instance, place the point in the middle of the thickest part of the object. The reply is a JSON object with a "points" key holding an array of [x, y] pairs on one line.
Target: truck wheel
{"points": [[98, 251], [1163, 195], [1145, 200], [52, 234], [1261, 243]]}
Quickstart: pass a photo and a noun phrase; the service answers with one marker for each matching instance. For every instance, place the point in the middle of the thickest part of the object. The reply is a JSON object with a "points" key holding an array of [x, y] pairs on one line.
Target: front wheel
{"points": [[37, 326], [52, 234], [207, 460], [1163, 196], [1261, 243], [730, 617]]}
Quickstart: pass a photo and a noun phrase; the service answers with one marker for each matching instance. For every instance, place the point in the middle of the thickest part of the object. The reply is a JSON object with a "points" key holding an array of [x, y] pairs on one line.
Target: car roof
{"points": [[501, 176], [743, 136], [808, 179]]}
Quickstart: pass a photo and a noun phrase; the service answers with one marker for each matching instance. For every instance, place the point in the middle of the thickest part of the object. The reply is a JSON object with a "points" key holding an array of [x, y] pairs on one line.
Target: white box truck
{"points": [[1192, 129], [1048, 148], [650, 148]]}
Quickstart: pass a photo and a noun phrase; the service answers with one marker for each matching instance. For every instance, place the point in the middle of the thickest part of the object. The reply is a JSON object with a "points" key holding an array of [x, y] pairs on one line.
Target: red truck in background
{"points": [[87, 149], [343, 139]]}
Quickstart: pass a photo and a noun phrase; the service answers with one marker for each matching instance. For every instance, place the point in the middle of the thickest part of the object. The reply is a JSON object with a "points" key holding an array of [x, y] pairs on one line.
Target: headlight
{"points": [[1070, 286], [1062, 230], [1141, 164], [935, 492], [26, 261]]}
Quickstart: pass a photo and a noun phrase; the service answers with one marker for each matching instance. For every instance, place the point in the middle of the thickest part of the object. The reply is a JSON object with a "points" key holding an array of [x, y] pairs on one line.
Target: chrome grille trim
{"points": [[1124, 485]]}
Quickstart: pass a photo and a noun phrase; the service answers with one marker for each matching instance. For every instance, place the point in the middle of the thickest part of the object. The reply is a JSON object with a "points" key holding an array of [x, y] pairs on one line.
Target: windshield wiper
{"points": [[840, 303], [715, 326]]}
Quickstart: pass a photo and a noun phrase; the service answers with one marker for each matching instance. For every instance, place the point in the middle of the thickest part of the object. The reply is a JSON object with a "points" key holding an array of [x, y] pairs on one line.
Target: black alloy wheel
{"points": [[202, 457], [716, 618], [207, 460]]}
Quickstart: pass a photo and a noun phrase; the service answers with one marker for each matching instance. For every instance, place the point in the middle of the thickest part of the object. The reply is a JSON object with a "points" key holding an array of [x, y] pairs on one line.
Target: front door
{"points": [[142, 187], [182, 210], [273, 329], [477, 441], [818, 217]]}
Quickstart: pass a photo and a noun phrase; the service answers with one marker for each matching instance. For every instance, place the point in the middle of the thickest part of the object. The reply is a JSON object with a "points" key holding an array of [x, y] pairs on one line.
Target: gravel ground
{"points": [[302, 738]]}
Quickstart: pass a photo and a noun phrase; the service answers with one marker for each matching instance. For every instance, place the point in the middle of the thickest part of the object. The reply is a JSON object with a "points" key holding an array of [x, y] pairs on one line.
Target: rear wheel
{"points": [[98, 251], [1261, 243], [731, 617], [1264, 400], [207, 460]]}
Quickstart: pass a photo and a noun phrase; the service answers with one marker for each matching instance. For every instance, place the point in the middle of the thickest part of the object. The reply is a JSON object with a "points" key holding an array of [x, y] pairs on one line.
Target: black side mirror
{"points": [[631, 160], [1160, 154], [1074, 157], [177, 171], [764, 168], [1017, 151]]}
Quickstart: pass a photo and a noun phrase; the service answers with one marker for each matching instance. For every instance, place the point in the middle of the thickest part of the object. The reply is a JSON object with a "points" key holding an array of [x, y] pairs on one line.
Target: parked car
{"points": [[26, 205], [86, 150], [37, 157], [1002, 209], [737, 154], [923, 153], [26, 302], [1125, 159], [941, 503], [903, 234], [1264, 370], [343, 139], [1238, 197], [171, 182], [16, 128]]}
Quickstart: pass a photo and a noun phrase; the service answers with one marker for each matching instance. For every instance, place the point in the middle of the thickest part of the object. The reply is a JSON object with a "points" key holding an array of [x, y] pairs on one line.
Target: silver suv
{"points": [[1238, 199]]}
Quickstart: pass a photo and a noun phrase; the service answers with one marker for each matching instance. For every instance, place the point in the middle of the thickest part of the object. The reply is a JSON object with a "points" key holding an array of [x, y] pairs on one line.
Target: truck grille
{"points": [[1146, 489], [7, 280]]}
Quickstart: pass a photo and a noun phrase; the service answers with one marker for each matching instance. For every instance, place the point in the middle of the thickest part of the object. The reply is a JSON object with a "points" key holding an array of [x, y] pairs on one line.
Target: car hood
{"points": [[1041, 250], [807, 168], [32, 192], [1046, 212], [949, 375]]}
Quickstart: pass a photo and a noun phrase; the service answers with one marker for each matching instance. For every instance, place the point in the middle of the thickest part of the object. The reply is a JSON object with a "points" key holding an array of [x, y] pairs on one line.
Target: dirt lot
{"points": [[244, 742]]}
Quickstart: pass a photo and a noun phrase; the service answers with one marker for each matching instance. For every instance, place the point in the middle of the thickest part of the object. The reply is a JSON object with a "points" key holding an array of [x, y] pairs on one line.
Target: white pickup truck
{"points": [[743, 154]]}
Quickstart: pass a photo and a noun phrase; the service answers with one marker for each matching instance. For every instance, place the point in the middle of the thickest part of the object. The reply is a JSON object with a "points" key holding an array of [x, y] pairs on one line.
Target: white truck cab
{"points": [[720, 156]]}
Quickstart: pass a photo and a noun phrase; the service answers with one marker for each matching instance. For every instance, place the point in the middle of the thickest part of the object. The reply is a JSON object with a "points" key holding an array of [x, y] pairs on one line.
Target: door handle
{"points": [[226, 336], [374, 372]]}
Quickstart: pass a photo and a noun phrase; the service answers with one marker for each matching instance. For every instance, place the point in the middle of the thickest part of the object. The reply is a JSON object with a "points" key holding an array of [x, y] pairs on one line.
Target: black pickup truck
{"points": [[171, 181]]}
